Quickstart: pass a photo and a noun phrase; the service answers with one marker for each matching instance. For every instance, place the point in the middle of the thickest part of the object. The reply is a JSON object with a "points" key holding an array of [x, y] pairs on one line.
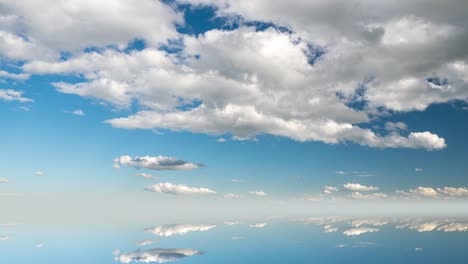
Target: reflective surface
{"points": [[314, 239]]}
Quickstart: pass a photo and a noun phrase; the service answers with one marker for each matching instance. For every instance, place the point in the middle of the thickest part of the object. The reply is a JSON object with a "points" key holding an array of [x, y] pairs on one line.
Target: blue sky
{"points": [[300, 103]]}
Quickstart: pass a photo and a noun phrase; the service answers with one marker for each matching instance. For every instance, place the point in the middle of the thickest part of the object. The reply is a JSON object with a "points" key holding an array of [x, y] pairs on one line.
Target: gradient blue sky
{"points": [[76, 152]]}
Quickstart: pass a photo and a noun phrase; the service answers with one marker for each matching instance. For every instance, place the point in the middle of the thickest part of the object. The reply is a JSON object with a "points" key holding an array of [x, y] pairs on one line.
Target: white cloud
{"points": [[395, 126], [267, 86], [238, 180], [359, 231], [424, 192], [3, 180], [14, 76], [182, 229], [4, 238], [13, 95], [147, 242], [245, 100], [52, 26], [231, 195], [39, 245], [258, 193], [221, 140], [330, 189], [359, 188], [453, 192], [230, 223], [155, 163], [178, 189], [371, 196], [238, 237], [146, 176], [157, 255], [418, 169], [258, 225], [78, 112], [39, 173]]}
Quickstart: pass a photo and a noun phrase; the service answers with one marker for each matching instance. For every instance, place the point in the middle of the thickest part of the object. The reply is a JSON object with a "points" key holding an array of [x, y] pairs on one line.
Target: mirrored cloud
{"points": [[157, 255], [178, 189], [155, 163], [181, 229]]}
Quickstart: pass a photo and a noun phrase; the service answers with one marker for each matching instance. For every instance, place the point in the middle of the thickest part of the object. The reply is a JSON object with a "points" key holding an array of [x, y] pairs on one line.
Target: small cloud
{"points": [[39, 173], [418, 249], [221, 140], [231, 195], [259, 193], [359, 187], [146, 176], [39, 245], [78, 112], [230, 223], [258, 225], [3, 180], [238, 237], [418, 169], [4, 238], [238, 180], [24, 108], [178, 189], [155, 163], [147, 242], [330, 189], [340, 172], [395, 126], [341, 246]]}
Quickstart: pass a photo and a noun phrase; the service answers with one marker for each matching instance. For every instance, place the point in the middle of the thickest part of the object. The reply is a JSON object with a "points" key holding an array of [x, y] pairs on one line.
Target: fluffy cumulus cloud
{"points": [[182, 229], [359, 188], [157, 255], [3, 180], [155, 163], [341, 65], [178, 189]]}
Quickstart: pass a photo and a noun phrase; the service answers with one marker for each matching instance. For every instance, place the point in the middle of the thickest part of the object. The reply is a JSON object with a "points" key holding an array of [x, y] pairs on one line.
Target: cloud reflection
{"points": [[157, 255]]}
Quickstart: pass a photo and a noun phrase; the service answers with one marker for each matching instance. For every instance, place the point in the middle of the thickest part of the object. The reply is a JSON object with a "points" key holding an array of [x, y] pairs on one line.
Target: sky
{"points": [[234, 100]]}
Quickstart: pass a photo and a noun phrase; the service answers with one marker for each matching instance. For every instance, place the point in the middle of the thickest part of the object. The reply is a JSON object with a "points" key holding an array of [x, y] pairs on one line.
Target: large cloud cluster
{"points": [[341, 64]]}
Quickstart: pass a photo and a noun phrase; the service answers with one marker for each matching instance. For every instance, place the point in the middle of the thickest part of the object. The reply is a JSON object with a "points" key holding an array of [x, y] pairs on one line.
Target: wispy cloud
{"points": [[258, 225], [39, 173], [3, 180], [146, 176], [178, 189], [359, 231], [155, 163]]}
